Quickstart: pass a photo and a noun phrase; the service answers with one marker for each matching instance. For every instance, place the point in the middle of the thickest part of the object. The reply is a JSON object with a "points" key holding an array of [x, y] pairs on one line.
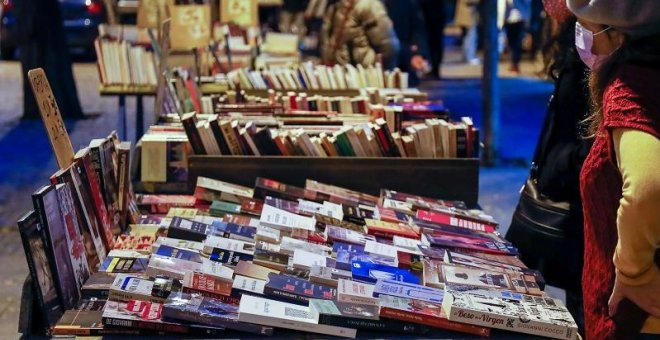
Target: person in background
{"points": [[558, 168], [292, 17], [435, 19], [620, 182], [467, 17], [356, 32], [410, 29], [516, 18]]}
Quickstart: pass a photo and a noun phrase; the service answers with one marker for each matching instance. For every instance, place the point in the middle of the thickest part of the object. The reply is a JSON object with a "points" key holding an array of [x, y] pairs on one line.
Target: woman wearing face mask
{"points": [[620, 181]]}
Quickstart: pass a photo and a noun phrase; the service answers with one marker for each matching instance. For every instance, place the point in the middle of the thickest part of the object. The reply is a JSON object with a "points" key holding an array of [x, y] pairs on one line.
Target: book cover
{"points": [[90, 323], [407, 290], [216, 270], [170, 267], [235, 231], [328, 276], [98, 286], [382, 249], [305, 260], [215, 242], [220, 208], [50, 218], [177, 243], [295, 290], [244, 284], [275, 261], [286, 315], [229, 192], [127, 287], [337, 234], [448, 240], [252, 206], [455, 221], [372, 272], [267, 187], [433, 276], [425, 313], [206, 283], [186, 229], [179, 253], [208, 311], [148, 315], [533, 315], [476, 277], [43, 279], [284, 220], [282, 204], [86, 204], [118, 264], [389, 230], [357, 293], [327, 310], [353, 249], [249, 269]]}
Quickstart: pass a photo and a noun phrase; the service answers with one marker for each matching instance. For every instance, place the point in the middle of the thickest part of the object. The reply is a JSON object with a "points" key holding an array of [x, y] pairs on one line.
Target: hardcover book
{"points": [[425, 313], [533, 315], [286, 315], [295, 290], [372, 272], [148, 315], [208, 311], [127, 287], [47, 205], [357, 293], [33, 236]]}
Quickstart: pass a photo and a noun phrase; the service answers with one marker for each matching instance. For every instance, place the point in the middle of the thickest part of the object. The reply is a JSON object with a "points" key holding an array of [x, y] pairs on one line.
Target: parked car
{"points": [[81, 19]]}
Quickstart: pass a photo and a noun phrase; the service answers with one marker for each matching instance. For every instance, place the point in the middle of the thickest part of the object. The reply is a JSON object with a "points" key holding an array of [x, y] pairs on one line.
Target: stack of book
{"points": [[123, 63], [318, 259]]}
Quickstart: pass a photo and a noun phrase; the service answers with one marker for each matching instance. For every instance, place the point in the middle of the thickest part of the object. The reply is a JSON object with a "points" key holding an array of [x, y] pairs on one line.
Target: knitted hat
{"points": [[557, 9], [638, 18]]}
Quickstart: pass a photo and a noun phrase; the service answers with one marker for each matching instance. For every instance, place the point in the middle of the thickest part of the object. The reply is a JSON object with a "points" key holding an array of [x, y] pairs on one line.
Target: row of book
{"points": [[121, 63], [319, 77], [273, 257], [433, 138]]}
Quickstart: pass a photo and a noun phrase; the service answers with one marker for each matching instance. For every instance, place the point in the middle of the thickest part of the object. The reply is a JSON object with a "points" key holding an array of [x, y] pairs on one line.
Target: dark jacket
{"points": [[410, 28]]}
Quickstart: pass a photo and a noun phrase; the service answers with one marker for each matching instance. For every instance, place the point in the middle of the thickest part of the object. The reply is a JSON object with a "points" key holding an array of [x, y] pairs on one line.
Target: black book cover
{"points": [[217, 133], [382, 325], [97, 286], [33, 236], [295, 290], [47, 205], [189, 122], [183, 229], [461, 142]]}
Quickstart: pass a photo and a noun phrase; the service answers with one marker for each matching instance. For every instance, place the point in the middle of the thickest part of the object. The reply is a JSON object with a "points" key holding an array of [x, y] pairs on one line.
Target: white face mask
{"points": [[584, 41]]}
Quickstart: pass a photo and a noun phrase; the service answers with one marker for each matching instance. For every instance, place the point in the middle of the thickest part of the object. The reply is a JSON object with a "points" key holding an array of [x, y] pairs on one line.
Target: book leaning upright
{"points": [[285, 315], [514, 312]]}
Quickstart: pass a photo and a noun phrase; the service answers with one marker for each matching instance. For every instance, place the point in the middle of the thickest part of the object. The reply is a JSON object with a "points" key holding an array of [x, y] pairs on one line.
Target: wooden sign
{"points": [[244, 13], [151, 13], [50, 113], [191, 26]]}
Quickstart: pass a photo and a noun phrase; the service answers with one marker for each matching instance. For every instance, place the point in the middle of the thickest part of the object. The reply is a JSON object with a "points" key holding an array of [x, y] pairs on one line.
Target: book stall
{"points": [[290, 199]]}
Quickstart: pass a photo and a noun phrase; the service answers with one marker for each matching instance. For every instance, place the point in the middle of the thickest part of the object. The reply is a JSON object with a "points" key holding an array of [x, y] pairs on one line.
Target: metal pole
{"points": [[490, 82]]}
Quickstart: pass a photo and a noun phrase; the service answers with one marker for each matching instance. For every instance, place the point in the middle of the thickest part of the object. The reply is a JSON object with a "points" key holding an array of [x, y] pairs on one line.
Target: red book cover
{"points": [[252, 206], [205, 283], [223, 298], [161, 204], [454, 221], [99, 205], [389, 230], [425, 313]]}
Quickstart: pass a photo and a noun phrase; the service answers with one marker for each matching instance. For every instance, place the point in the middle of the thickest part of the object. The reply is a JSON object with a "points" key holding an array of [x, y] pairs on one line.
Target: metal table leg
{"points": [[121, 117], [139, 117]]}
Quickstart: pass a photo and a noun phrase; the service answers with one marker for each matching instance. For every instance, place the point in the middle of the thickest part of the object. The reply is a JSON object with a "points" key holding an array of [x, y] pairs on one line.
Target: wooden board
{"points": [[50, 113], [451, 179]]}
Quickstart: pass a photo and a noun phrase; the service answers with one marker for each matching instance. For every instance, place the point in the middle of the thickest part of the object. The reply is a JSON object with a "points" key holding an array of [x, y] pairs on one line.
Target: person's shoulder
{"points": [[633, 96]]}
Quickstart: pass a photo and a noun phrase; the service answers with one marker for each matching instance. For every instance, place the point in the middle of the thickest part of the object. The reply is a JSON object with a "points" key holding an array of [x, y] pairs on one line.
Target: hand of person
{"points": [[647, 296], [418, 63]]}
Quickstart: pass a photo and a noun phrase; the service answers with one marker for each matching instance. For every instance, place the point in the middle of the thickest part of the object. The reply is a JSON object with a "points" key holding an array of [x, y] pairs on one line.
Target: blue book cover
{"points": [[343, 261], [229, 257], [295, 290], [408, 290], [179, 253], [354, 249], [236, 231], [372, 272]]}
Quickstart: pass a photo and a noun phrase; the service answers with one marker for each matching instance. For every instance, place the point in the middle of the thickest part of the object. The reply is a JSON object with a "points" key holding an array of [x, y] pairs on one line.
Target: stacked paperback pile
{"points": [[319, 259]]}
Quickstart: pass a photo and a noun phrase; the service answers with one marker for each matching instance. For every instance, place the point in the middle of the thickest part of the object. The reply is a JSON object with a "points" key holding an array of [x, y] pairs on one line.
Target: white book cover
{"points": [[249, 284], [128, 287], [333, 210], [289, 245], [309, 207], [267, 234], [531, 315], [285, 315], [407, 245], [127, 253], [382, 249], [305, 260], [356, 292], [216, 185], [217, 270], [284, 220], [170, 267], [212, 242]]}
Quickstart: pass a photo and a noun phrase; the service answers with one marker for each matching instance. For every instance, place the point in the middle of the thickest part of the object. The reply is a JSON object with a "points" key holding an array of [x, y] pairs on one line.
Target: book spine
{"points": [[285, 296], [201, 317], [358, 300], [193, 136], [509, 323], [185, 234], [382, 325], [151, 326], [126, 296], [434, 322]]}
